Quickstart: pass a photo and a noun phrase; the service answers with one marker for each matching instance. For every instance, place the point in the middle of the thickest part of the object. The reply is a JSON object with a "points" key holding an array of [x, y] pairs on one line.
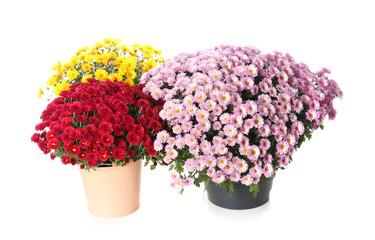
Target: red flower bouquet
{"points": [[100, 122]]}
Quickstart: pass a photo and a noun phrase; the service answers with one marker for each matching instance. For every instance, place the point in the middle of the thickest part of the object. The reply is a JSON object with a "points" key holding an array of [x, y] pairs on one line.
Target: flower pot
{"points": [[241, 197], [113, 191]]}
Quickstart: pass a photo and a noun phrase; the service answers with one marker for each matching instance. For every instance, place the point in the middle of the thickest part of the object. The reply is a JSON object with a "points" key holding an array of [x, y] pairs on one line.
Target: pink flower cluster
{"points": [[238, 113]]}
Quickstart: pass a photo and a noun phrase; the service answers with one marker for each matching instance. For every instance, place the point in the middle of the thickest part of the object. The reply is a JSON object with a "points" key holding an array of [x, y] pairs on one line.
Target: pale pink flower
{"points": [[255, 179], [179, 183], [190, 165], [236, 120], [268, 158], [264, 130], [158, 145], [216, 126], [267, 170], [200, 96], [235, 177], [282, 146], [176, 129], [255, 171], [191, 110], [225, 118], [190, 140], [222, 149], [246, 180], [253, 152], [205, 126], [217, 111], [314, 104], [222, 162], [175, 175], [167, 159], [162, 136], [264, 99], [224, 98], [265, 143], [298, 128], [290, 139], [219, 177], [186, 126], [214, 95], [230, 130], [311, 114], [211, 172], [187, 182], [188, 100], [284, 161], [241, 166], [257, 120], [228, 169]]}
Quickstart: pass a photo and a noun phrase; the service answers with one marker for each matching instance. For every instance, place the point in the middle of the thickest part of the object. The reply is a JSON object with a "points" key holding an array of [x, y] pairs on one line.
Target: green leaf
{"points": [[152, 167], [322, 127], [254, 188]]}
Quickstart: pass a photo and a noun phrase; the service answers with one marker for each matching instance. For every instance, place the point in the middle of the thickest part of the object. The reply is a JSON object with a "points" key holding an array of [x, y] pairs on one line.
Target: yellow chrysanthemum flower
{"points": [[84, 79], [131, 75], [87, 67], [129, 82], [52, 81], [101, 74], [150, 64], [40, 93], [72, 74], [57, 66]]}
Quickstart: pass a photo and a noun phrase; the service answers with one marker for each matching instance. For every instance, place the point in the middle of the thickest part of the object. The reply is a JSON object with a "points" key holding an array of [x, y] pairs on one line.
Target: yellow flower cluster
{"points": [[107, 60]]}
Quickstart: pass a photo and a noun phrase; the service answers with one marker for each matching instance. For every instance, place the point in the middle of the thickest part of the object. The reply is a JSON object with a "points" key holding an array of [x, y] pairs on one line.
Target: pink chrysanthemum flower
{"points": [[298, 128], [219, 177], [222, 162], [264, 130], [158, 145], [175, 175], [225, 118], [191, 110], [257, 120], [246, 180], [190, 140], [267, 158], [253, 152], [211, 172], [290, 139], [311, 114], [255, 171], [241, 166], [186, 126], [188, 100], [284, 161], [267, 170], [216, 126], [282, 146], [162, 136], [264, 99], [228, 169], [265, 143], [230, 130], [235, 177], [200, 96], [190, 165], [179, 183]]}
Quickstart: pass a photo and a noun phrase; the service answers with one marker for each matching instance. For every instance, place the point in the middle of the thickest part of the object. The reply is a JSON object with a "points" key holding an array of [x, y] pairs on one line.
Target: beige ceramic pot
{"points": [[113, 191]]}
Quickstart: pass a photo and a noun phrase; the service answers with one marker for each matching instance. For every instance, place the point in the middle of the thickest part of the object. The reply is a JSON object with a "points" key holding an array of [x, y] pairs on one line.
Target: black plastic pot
{"points": [[241, 197]]}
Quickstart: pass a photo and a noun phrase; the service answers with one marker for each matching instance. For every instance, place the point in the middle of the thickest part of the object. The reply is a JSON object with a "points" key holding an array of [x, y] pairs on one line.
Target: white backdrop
{"points": [[327, 192]]}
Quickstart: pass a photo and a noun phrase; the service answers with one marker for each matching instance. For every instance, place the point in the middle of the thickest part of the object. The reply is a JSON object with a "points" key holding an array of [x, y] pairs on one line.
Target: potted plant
{"points": [[236, 116], [108, 60], [105, 128]]}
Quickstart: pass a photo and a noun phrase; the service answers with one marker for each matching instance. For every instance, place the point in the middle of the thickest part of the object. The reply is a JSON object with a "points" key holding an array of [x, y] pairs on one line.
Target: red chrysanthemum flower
{"points": [[155, 125], [53, 144], [81, 118], [133, 138], [35, 137], [119, 153], [66, 160], [93, 120], [106, 127], [131, 152], [74, 149]]}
